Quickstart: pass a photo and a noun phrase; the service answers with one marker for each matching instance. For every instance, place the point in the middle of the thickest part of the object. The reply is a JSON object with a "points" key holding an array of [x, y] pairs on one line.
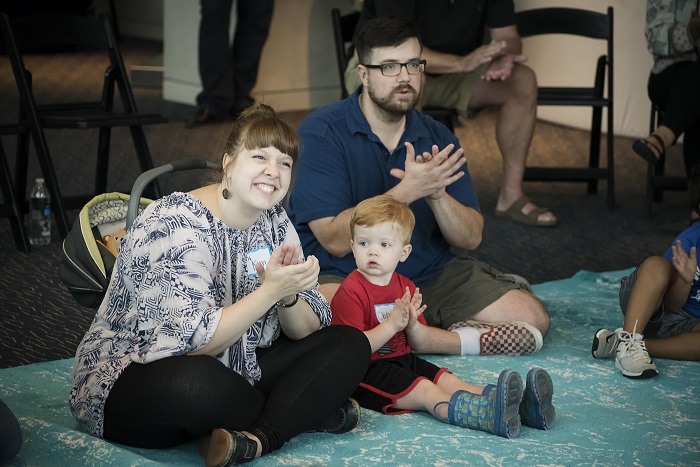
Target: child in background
{"points": [[388, 308], [660, 300]]}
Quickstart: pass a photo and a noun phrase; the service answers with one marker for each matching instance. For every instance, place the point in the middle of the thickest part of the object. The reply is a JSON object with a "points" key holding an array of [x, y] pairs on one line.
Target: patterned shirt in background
{"points": [[178, 266], [667, 32]]}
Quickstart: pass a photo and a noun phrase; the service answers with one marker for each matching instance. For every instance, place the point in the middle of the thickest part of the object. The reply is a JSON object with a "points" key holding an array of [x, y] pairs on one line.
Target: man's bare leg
{"points": [[516, 99], [516, 305]]}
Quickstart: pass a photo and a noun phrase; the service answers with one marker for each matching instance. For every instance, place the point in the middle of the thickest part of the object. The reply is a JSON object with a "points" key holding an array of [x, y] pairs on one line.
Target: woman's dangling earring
{"points": [[224, 192]]}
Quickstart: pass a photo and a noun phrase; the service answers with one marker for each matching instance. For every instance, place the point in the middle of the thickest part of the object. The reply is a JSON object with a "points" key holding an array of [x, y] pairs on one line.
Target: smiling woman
{"points": [[211, 298], [254, 180]]}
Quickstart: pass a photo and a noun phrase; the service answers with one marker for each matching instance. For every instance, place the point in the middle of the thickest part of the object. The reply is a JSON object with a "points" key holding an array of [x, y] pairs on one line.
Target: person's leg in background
{"points": [[516, 100], [676, 92], [252, 28], [214, 61], [684, 98]]}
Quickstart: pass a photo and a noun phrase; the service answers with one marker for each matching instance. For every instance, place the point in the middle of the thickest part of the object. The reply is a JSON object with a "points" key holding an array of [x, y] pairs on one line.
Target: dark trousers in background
{"points": [[229, 70], [676, 91]]}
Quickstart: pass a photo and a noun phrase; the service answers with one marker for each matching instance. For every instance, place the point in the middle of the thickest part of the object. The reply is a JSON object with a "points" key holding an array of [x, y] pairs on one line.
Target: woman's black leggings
{"points": [[173, 400], [676, 90]]}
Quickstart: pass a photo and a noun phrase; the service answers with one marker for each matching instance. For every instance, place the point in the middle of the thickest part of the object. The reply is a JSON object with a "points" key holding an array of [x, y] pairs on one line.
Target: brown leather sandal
{"points": [[643, 150]]}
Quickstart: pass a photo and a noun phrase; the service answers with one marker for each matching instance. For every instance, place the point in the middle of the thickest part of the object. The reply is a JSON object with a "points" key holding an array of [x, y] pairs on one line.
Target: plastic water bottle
{"points": [[39, 214]]}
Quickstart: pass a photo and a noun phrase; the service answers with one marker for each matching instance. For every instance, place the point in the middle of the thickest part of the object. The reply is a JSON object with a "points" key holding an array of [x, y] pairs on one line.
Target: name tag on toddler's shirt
{"points": [[382, 311], [261, 255]]}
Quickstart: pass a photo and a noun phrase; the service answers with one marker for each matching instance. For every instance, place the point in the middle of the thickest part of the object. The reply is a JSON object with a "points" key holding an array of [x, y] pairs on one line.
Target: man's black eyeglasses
{"points": [[413, 67]]}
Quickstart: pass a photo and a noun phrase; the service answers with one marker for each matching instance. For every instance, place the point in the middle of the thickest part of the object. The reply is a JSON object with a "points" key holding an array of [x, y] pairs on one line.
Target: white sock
{"points": [[470, 340]]}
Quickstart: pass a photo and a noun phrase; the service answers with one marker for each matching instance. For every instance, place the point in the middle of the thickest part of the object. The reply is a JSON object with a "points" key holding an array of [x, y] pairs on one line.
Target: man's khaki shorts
{"points": [[463, 288]]}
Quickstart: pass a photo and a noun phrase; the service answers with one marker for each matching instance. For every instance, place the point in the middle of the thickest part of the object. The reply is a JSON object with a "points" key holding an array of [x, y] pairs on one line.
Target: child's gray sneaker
{"points": [[605, 343], [632, 358]]}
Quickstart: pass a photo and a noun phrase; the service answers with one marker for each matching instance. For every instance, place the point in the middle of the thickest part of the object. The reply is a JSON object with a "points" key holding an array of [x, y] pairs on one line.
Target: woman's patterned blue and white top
{"points": [[668, 32], [178, 266]]}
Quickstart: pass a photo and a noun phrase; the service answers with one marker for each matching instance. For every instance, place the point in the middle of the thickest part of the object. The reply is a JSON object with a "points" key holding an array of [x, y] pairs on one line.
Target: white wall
{"points": [[297, 69]]}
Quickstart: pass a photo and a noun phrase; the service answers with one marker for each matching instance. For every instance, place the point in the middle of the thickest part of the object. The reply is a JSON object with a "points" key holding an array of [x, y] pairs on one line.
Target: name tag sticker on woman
{"points": [[261, 255]]}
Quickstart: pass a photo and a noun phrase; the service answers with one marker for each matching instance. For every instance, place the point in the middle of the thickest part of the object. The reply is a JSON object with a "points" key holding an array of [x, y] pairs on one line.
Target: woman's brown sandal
{"points": [[643, 150]]}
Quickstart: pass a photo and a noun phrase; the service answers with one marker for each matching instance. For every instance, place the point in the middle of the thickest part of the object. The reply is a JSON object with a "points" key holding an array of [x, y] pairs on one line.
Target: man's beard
{"points": [[396, 107]]}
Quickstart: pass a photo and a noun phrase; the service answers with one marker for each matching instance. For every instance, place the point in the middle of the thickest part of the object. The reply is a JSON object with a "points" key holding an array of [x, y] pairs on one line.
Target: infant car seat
{"points": [[87, 261]]}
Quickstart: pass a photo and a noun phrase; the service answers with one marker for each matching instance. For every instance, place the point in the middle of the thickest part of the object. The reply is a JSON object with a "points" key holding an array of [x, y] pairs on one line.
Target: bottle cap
{"points": [[39, 180]]}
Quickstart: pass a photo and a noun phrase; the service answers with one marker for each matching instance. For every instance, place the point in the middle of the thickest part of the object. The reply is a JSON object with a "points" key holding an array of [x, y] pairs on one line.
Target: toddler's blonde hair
{"points": [[384, 208]]}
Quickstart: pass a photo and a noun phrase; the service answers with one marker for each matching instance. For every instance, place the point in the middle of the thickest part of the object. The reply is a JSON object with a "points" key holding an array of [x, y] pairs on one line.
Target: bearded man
{"points": [[376, 142]]}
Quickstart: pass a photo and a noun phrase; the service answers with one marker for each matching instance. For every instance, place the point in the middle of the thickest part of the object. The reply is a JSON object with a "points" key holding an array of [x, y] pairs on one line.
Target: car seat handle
{"points": [[150, 175]]}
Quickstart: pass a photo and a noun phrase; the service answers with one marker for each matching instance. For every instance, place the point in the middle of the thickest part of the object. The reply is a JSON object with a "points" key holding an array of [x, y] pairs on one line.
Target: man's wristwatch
{"points": [[290, 304]]}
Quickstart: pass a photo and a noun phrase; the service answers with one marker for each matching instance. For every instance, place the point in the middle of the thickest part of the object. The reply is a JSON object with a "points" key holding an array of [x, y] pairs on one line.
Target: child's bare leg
{"points": [[653, 279], [426, 394], [681, 347], [451, 384], [423, 397]]}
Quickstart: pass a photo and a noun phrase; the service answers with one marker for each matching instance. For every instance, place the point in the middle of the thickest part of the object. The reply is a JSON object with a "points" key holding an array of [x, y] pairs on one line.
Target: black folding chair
{"points": [[68, 32], [592, 25], [11, 207], [343, 34]]}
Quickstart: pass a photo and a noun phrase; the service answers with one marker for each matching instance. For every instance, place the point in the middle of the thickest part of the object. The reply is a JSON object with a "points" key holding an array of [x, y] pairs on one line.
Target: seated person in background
{"points": [[673, 36], [212, 326], [466, 75], [387, 307], [363, 146], [661, 304]]}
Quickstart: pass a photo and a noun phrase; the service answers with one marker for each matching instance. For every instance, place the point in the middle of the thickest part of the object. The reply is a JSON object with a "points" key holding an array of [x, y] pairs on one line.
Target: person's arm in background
{"points": [[333, 233], [445, 63], [440, 61], [501, 67]]}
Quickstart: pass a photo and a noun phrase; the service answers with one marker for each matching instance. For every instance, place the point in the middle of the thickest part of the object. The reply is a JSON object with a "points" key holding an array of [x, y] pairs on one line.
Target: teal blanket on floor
{"points": [[602, 417]]}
